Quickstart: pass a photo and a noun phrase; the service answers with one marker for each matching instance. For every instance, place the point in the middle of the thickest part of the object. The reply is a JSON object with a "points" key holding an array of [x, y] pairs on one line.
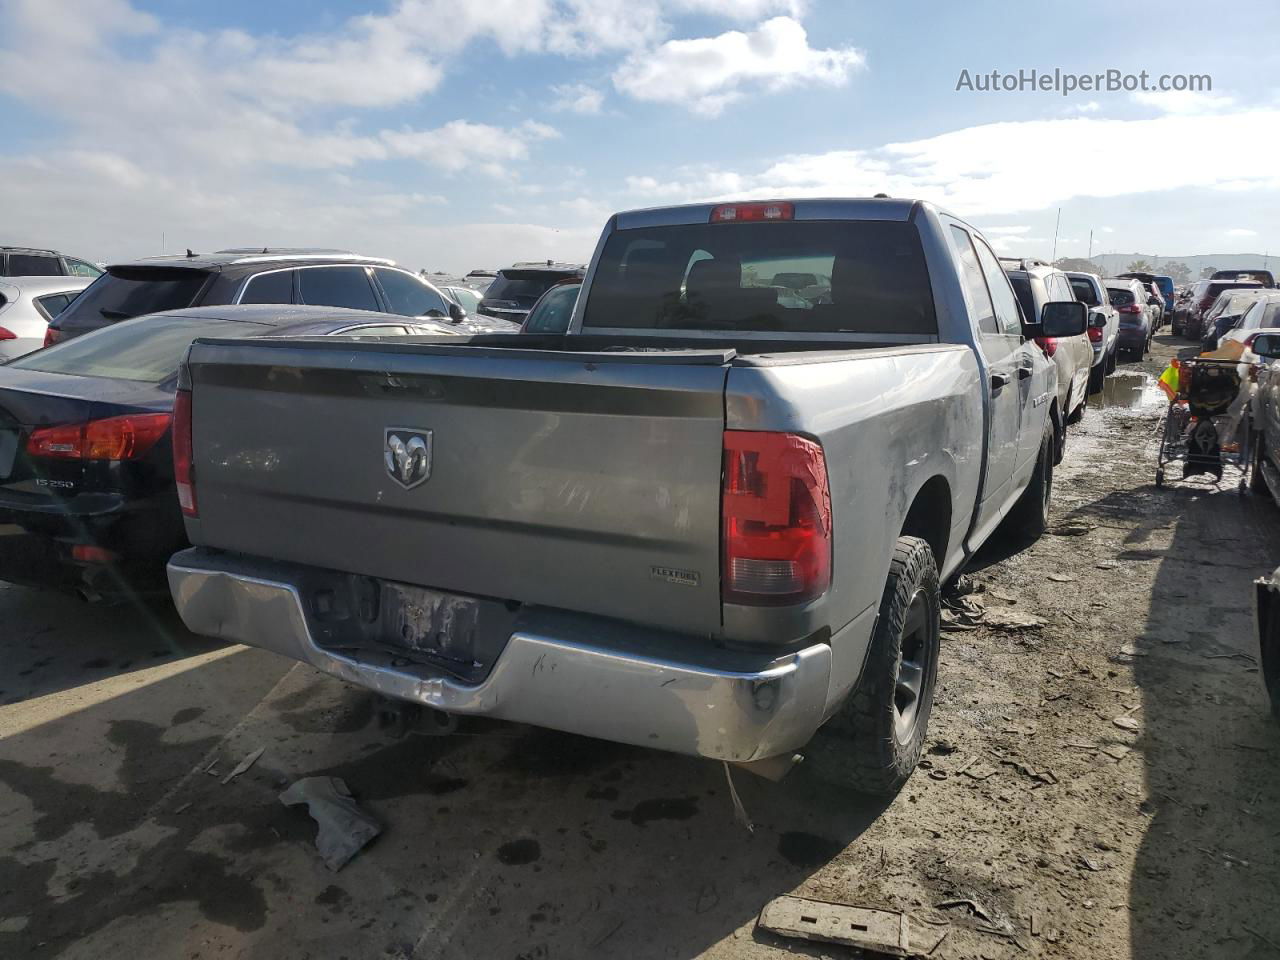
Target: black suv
{"points": [[516, 289], [331, 278], [38, 262]]}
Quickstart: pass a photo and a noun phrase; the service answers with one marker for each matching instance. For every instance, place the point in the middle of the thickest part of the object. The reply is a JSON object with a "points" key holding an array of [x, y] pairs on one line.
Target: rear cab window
{"points": [[870, 277], [149, 349]]}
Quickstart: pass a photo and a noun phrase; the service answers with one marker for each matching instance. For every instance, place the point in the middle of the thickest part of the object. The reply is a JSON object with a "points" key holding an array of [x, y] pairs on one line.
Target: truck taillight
{"points": [[1095, 334], [7, 334], [51, 336], [1048, 344], [184, 472], [776, 519], [115, 438]]}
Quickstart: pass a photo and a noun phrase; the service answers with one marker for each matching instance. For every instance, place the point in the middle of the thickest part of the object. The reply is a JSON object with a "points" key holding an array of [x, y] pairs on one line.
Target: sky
{"points": [[455, 135]]}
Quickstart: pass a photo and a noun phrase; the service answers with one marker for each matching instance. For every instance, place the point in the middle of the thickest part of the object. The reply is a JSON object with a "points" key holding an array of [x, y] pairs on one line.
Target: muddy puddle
{"points": [[1135, 392]]}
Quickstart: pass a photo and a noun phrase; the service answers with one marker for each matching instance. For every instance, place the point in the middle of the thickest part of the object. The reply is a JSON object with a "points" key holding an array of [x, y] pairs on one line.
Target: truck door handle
{"points": [[999, 381], [1024, 373]]}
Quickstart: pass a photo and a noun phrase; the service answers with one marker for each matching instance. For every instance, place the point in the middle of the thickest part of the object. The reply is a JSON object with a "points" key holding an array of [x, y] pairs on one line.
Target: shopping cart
{"points": [[1205, 427]]}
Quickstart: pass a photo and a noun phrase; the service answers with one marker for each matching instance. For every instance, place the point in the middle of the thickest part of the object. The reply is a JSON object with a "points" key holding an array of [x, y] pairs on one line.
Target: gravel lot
{"points": [[1102, 781]]}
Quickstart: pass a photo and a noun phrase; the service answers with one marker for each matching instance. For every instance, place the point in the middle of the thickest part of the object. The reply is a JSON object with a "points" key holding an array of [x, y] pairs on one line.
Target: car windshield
{"points": [[1084, 291], [719, 276], [124, 292], [147, 349]]}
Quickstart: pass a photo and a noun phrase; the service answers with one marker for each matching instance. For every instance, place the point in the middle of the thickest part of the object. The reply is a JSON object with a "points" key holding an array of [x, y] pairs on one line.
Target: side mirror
{"points": [[456, 313], [1060, 318], [1267, 345]]}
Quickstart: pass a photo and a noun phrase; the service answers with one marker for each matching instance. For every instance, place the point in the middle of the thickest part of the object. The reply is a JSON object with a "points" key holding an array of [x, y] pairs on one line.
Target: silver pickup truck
{"points": [[710, 518]]}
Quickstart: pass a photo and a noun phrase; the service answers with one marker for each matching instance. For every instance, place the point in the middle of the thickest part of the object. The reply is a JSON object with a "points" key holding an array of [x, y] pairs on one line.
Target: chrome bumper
{"points": [[581, 683]]}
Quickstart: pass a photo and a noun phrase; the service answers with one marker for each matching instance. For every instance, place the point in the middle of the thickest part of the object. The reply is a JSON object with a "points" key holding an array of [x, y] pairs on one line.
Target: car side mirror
{"points": [[1267, 345], [456, 313], [1060, 318]]}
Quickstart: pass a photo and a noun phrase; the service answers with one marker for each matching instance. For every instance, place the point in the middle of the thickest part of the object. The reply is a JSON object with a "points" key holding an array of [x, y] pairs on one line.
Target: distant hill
{"points": [[1114, 263]]}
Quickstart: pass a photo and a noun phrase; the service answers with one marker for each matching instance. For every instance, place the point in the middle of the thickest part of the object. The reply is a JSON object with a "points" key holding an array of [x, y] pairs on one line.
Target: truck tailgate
{"points": [[584, 481]]}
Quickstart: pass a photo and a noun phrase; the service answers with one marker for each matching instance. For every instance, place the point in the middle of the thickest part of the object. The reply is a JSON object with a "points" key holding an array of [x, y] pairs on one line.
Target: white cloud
{"points": [[1240, 232], [706, 74], [577, 97], [1089, 106], [1000, 169], [462, 145], [1184, 101]]}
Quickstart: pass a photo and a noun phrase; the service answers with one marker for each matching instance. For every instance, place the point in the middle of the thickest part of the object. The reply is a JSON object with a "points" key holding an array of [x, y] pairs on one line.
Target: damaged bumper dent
{"points": [[563, 671]]}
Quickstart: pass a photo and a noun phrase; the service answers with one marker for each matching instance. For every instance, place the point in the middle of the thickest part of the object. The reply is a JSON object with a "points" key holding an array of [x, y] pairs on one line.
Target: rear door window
{"points": [[337, 287], [275, 287], [409, 296], [871, 278], [34, 265], [81, 268], [124, 292], [974, 283]]}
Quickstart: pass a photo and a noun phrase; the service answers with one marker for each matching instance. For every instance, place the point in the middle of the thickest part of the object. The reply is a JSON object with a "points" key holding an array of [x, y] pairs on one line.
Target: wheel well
{"points": [[1055, 415], [930, 517]]}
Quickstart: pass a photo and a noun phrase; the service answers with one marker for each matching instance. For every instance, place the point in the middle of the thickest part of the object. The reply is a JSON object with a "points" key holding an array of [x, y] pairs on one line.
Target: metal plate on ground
{"points": [[869, 928]]}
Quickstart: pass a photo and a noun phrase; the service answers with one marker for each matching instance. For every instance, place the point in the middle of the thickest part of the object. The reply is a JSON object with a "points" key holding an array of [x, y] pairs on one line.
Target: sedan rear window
{"points": [[870, 278], [147, 349], [125, 292]]}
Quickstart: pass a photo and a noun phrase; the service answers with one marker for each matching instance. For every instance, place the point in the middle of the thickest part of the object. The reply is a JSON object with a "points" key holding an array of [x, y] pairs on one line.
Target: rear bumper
{"points": [[583, 675], [1131, 336]]}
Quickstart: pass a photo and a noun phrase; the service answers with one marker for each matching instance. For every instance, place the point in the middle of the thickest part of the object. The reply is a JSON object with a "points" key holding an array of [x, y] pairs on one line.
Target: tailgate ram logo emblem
{"points": [[407, 455]]}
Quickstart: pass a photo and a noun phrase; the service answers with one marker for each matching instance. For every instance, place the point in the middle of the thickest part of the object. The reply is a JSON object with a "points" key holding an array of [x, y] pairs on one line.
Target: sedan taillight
{"points": [[52, 336], [115, 438]]}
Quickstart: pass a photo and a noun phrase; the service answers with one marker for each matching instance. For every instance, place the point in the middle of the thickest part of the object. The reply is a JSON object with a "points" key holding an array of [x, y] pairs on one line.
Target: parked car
{"points": [[1226, 313], [517, 288], [27, 304], [1264, 419], [1262, 314], [38, 262], [1164, 287], [1036, 283], [1203, 298], [1104, 325], [1263, 277], [554, 308], [704, 530], [1129, 297], [1155, 299], [331, 278], [1184, 304], [86, 470]]}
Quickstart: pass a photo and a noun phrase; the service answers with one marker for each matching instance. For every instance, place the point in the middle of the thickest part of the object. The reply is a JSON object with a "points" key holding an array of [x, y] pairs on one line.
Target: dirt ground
{"points": [[1102, 781]]}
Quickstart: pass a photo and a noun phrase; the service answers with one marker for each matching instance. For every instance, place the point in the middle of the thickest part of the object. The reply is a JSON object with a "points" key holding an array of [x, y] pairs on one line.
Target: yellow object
{"points": [[1169, 380]]}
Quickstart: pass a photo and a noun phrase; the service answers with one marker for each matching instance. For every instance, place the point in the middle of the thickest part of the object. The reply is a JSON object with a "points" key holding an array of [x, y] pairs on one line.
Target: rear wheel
{"points": [[1258, 479], [875, 740], [1029, 517]]}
